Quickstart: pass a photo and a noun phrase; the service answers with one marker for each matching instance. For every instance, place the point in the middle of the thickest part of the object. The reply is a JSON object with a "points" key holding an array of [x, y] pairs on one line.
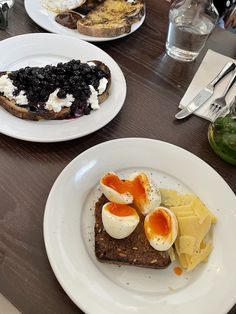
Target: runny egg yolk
{"points": [[134, 187], [158, 224], [121, 210]]}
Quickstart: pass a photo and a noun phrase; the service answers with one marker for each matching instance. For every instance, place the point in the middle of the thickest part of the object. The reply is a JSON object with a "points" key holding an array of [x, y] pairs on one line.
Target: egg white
{"points": [[153, 195], [114, 196], [159, 242], [62, 5], [118, 227]]}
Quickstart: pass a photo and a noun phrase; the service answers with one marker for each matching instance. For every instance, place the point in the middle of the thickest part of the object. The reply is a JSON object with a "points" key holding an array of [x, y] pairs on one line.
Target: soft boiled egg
{"points": [[119, 220], [151, 196], [137, 188], [115, 189], [161, 228]]}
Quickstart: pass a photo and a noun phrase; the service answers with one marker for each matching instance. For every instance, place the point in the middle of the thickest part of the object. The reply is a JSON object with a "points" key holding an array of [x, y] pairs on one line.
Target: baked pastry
{"points": [[111, 18], [66, 90], [132, 250]]}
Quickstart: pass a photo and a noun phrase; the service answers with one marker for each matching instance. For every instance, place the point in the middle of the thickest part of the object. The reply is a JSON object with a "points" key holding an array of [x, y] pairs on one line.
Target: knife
{"points": [[205, 93]]}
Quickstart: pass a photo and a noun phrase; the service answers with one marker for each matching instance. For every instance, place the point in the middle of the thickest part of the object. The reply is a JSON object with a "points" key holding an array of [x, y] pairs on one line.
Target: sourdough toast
{"points": [[134, 250], [111, 18], [38, 84]]}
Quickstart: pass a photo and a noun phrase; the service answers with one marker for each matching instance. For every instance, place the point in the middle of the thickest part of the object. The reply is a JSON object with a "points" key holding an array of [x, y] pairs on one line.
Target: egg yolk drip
{"points": [[121, 210], [134, 187], [158, 224]]}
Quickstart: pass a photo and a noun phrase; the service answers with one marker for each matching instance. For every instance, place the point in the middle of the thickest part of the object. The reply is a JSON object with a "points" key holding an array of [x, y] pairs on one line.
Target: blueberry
{"points": [[61, 94]]}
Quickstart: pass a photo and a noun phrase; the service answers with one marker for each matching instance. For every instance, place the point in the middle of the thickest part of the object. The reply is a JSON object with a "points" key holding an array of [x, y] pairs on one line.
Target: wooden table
{"points": [[27, 170]]}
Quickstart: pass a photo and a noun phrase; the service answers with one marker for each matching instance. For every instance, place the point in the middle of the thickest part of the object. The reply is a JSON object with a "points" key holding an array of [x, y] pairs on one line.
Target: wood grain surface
{"points": [[155, 85]]}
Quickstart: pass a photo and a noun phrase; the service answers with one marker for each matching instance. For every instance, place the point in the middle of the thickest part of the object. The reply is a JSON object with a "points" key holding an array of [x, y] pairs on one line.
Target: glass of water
{"points": [[190, 23], [9, 2], [5, 5]]}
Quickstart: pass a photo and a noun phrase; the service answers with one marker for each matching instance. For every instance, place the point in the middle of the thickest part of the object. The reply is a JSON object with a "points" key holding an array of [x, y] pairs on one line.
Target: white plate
{"points": [[42, 49], [102, 288], [46, 19]]}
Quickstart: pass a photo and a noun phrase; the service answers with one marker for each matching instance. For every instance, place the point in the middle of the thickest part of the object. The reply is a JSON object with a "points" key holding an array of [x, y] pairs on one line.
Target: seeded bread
{"points": [[111, 18], [27, 112], [133, 250]]}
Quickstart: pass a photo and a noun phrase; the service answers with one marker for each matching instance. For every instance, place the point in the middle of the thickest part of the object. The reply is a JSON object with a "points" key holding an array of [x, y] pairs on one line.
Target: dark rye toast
{"points": [[134, 250], [35, 110], [111, 18]]}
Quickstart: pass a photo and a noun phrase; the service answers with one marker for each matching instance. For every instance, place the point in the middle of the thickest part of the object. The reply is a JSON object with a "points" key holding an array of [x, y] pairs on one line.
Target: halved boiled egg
{"points": [[137, 188], [151, 196], [161, 228], [115, 189], [119, 220]]}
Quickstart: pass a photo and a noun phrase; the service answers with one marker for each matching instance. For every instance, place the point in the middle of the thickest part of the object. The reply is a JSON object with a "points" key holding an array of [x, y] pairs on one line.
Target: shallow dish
{"points": [[69, 237], [39, 50], [46, 19]]}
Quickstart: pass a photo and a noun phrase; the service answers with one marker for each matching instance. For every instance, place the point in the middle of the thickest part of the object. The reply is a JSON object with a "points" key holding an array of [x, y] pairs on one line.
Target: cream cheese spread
{"points": [[102, 85], [93, 99], [56, 104], [7, 88]]}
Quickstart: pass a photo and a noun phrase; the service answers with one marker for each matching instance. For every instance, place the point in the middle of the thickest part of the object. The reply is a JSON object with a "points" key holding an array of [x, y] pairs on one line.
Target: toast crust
{"points": [[134, 250], [111, 18], [24, 112]]}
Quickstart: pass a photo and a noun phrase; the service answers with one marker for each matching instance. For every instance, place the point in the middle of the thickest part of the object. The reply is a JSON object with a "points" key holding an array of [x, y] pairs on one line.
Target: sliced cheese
{"points": [[199, 256], [169, 197], [187, 244]]}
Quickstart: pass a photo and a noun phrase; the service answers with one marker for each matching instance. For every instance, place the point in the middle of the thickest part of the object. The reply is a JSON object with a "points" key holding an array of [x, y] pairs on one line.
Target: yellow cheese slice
{"points": [[199, 257], [187, 244], [169, 197], [182, 260]]}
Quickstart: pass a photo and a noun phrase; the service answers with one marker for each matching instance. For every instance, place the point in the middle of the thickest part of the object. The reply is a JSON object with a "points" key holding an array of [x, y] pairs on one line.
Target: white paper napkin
{"points": [[211, 65]]}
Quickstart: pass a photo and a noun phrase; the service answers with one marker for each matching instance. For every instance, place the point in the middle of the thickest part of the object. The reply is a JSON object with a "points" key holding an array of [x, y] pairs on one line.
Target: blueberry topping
{"points": [[72, 77]]}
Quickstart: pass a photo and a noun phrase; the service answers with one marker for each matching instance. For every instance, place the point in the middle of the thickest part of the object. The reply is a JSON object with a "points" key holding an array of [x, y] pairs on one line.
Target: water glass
{"points": [[190, 23], [5, 5]]}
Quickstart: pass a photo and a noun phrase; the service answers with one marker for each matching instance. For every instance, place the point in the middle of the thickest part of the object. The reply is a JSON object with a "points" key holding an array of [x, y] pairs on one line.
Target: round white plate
{"points": [[42, 49], [46, 19], [99, 288]]}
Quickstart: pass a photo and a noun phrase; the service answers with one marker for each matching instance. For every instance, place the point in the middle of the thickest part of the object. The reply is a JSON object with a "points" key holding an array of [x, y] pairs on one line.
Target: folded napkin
{"points": [[211, 65]]}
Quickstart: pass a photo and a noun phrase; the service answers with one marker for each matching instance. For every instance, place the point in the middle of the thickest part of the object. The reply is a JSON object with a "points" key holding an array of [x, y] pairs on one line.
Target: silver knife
{"points": [[205, 93]]}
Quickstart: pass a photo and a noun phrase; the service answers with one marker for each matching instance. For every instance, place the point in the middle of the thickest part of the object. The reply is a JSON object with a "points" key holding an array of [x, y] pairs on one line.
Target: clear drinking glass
{"points": [[9, 2], [190, 23], [5, 5]]}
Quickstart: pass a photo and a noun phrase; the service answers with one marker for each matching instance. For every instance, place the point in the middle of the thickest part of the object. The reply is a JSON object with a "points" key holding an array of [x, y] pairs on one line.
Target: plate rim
{"points": [[71, 164], [118, 70]]}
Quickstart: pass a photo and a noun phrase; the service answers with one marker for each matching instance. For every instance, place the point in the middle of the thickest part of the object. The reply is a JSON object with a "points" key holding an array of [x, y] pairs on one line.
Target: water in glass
{"points": [[189, 28], [9, 2]]}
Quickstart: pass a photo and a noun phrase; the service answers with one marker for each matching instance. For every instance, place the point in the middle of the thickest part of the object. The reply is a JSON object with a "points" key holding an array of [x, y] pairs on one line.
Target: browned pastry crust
{"points": [[133, 250]]}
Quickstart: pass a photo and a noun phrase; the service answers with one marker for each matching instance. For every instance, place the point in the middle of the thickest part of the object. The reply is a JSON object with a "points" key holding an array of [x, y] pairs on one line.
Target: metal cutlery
{"points": [[205, 93], [220, 102]]}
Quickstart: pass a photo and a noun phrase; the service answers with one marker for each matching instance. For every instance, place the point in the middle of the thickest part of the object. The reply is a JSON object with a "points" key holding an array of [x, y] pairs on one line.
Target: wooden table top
{"points": [[155, 85]]}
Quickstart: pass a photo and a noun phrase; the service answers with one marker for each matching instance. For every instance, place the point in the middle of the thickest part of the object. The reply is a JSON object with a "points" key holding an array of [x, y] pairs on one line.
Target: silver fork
{"points": [[220, 102]]}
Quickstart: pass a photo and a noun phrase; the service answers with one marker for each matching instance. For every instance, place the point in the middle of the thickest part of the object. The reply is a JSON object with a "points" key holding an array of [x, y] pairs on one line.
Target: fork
{"points": [[220, 102]]}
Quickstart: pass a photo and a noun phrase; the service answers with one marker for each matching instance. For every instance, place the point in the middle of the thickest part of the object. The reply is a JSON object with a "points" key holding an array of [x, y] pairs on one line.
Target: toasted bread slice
{"points": [[134, 250], [111, 18], [29, 112]]}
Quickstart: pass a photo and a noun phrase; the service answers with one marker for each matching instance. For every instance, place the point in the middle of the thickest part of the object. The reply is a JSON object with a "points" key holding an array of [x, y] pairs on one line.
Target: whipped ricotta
{"points": [[61, 5], [7, 88], [102, 85], [91, 64], [93, 99], [56, 104]]}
